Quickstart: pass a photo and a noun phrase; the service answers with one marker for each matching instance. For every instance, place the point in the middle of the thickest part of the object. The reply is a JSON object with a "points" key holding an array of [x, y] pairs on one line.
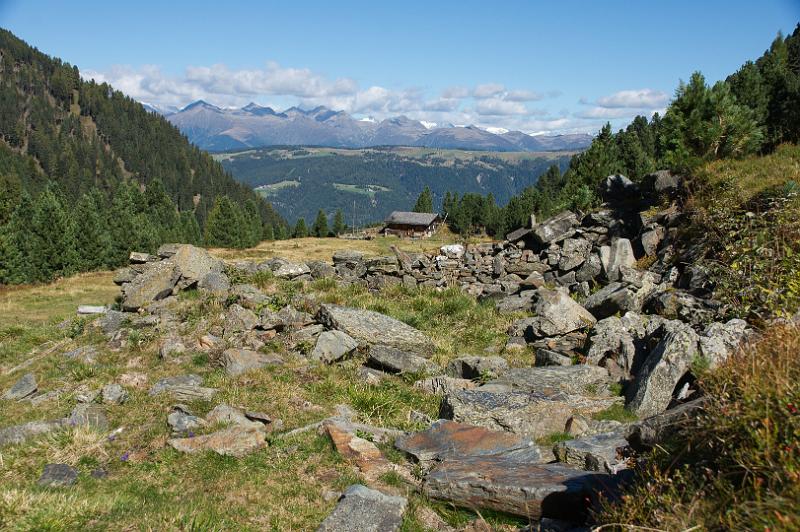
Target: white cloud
{"points": [[523, 96], [634, 99], [499, 107], [487, 90], [455, 92], [442, 104]]}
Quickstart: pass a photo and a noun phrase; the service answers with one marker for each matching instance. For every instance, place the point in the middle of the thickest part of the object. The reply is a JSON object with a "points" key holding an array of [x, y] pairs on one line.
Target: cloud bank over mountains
{"points": [[487, 105]]}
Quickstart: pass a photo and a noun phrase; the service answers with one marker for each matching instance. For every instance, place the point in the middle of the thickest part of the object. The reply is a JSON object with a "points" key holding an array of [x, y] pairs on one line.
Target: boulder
{"points": [[614, 298], [320, 269], [719, 340], [17, 434], [452, 251], [181, 421], [393, 360], [25, 387], [620, 254], [364, 453], [216, 284], [556, 228], [156, 282], [167, 383], [576, 379], [239, 319], [590, 269], [574, 252], [598, 452], [88, 415], [290, 270], [506, 484], [546, 357], [373, 328], [236, 440], [614, 339], [653, 430], [619, 189], [661, 183], [534, 415], [238, 361], [652, 390], [442, 384], [333, 346], [114, 394], [650, 240], [249, 296], [556, 313], [194, 263], [58, 476], [137, 257], [475, 367], [516, 303], [681, 305], [365, 510], [448, 439]]}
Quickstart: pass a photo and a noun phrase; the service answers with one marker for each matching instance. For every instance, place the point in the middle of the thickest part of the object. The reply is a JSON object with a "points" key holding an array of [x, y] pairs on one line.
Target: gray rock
{"points": [[141, 258], [448, 439], [395, 360], [114, 394], [236, 441], [166, 251], [167, 383], [517, 303], [612, 339], [293, 319], [546, 357], [529, 414], [171, 345], [88, 415], [333, 346], [365, 510], [181, 421], [556, 228], [719, 340], [474, 367], [556, 314], [89, 310], [612, 299], [344, 256], [215, 283], [575, 379], [290, 270], [195, 263], [661, 182], [58, 476], [619, 189], [156, 282], [573, 253], [620, 254], [25, 387], [656, 429], [321, 270], [443, 384], [372, 328], [680, 305], [652, 390], [239, 319], [590, 269], [17, 434], [509, 485], [238, 361], [650, 240], [599, 452], [249, 296], [111, 322], [86, 354]]}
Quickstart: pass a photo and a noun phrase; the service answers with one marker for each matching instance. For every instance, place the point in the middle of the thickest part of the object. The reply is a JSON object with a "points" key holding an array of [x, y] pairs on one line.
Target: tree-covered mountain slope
{"points": [[66, 142]]}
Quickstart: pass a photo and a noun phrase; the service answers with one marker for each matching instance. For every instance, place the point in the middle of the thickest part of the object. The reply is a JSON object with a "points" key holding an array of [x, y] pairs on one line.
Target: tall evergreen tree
{"points": [[15, 252], [339, 226], [300, 229], [269, 232], [320, 228], [92, 236], [424, 201], [52, 237], [226, 225]]}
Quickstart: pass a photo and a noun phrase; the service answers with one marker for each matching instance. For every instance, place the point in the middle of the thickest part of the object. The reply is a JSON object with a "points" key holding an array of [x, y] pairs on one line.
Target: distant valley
{"points": [[367, 184], [223, 129]]}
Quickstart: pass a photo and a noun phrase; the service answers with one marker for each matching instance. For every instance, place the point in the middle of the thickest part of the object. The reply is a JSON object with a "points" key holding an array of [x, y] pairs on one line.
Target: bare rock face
{"points": [[577, 379], [505, 484], [365, 510], [195, 263], [395, 360], [373, 328], [236, 440], [156, 282], [652, 390], [442, 384], [598, 452]]}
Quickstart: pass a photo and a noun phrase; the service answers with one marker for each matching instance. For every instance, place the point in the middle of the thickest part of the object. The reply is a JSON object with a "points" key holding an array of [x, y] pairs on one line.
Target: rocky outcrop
{"points": [[365, 509]]}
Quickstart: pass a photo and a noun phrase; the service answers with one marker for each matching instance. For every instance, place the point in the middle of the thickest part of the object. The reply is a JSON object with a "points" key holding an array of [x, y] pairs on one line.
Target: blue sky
{"points": [[535, 66]]}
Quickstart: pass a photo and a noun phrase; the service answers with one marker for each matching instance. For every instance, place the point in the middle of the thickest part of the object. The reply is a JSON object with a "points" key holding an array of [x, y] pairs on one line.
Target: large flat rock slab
{"points": [[362, 509], [448, 439], [373, 328], [516, 487], [578, 379], [237, 441]]}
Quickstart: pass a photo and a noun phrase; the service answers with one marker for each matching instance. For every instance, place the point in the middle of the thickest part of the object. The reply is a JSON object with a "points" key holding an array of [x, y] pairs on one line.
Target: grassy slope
{"points": [[737, 466], [150, 486]]}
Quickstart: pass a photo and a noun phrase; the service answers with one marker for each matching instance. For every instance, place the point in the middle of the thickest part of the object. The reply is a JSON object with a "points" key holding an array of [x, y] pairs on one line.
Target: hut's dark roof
{"points": [[411, 218]]}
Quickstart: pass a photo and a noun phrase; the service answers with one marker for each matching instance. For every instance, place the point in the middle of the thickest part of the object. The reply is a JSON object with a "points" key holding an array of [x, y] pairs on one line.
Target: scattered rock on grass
{"points": [[58, 475], [25, 387], [365, 510]]}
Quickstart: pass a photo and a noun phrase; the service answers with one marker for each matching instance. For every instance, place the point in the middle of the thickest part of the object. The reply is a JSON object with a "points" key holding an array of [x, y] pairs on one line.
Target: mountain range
{"points": [[223, 129]]}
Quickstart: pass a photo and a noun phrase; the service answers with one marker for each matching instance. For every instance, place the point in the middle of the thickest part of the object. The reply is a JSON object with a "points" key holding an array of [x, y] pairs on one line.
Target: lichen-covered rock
{"points": [[25, 387], [598, 452], [238, 361], [556, 228], [156, 282], [576, 379], [236, 440], [194, 263], [395, 360], [373, 328], [555, 313], [333, 346], [365, 510], [475, 367], [719, 340]]}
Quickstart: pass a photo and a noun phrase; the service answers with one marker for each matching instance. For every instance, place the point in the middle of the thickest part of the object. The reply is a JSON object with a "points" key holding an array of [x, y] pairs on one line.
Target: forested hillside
{"points": [[370, 183], [751, 112], [86, 175]]}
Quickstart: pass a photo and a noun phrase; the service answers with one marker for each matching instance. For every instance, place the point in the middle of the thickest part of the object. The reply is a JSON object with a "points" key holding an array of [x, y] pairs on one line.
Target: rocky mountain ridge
{"points": [[221, 129]]}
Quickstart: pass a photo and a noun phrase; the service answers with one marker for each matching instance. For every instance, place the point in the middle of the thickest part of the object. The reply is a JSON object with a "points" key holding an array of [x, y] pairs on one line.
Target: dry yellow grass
{"points": [[305, 249], [30, 304]]}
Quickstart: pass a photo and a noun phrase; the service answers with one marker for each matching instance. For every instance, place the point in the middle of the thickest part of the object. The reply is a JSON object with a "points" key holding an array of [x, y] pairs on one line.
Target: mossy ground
{"points": [[150, 486]]}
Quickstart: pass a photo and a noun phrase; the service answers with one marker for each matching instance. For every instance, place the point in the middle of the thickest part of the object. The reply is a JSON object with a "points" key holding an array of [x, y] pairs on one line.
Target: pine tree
{"points": [[269, 232], [15, 261], [339, 226], [120, 222], [320, 228], [300, 229], [92, 236], [424, 201], [226, 225], [52, 237], [281, 232], [190, 229]]}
